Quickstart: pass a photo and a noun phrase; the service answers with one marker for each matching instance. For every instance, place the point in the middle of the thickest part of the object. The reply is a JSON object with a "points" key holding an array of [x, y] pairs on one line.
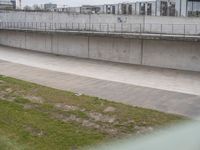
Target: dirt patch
{"points": [[34, 131], [109, 109], [2, 94], [30, 106], [86, 123], [9, 90], [34, 99], [66, 118], [100, 117], [2, 82], [5, 96], [65, 107]]}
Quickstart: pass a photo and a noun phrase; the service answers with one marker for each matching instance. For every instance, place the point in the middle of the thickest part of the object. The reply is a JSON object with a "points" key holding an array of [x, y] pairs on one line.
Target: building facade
{"points": [[188, 7], [148, 8], [7, 4], [50, 6]]}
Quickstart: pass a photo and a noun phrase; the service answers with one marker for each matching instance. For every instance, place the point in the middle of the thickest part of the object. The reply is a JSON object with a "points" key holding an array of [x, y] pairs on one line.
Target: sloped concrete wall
{"points": [[115, 49], [13, 39], [172, 54], [159, 53], [70, 45], [38, 42]]}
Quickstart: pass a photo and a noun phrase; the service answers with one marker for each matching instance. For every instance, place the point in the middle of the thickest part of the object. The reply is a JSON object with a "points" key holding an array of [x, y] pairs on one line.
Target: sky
{"points": [[74, 2]]}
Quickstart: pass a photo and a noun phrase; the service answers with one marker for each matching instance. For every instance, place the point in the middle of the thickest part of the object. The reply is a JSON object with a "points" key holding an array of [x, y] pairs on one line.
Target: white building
{"points": [[188, 7], [149, 8], [6, 4]]}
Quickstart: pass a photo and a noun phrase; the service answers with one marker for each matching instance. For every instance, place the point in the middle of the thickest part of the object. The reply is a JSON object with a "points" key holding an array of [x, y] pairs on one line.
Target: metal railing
{"points": [[172, 29]]}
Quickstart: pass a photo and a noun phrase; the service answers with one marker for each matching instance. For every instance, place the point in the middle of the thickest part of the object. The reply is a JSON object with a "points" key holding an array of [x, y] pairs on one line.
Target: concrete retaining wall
{"points": [[176, 25], [61, 17], [115, 49], [160, 53], [172, 54]]}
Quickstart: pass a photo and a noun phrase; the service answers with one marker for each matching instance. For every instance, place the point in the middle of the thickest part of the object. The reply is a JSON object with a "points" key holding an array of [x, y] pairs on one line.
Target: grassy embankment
{"points": [[35, 117]]}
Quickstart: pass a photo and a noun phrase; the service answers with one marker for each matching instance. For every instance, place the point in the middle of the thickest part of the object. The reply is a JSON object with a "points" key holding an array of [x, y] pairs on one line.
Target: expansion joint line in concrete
{"points": [[88, 46], [51, 35], [142, 51]]}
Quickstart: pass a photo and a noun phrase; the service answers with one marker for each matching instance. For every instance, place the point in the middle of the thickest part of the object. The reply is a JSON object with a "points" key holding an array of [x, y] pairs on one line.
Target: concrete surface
{"points": [[166, 79], [170, 102], [183, 55], [192, 23], [161, 89], [174, 54]]}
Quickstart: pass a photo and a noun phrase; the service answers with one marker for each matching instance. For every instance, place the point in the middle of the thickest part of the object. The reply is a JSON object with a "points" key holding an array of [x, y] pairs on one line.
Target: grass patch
{"points": [[37, 117]]}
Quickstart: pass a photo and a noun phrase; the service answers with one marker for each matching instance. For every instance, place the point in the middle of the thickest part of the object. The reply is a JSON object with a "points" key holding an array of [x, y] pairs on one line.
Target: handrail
{"points": [[172, 29]]}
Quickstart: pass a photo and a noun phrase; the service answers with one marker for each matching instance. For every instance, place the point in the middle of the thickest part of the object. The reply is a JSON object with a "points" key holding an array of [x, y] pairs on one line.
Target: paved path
{"points": [[81, 76], [165, 79]]}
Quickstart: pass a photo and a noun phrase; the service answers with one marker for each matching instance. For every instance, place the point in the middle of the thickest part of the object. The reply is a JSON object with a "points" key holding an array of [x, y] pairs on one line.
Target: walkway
{"points": [[161, 89]]}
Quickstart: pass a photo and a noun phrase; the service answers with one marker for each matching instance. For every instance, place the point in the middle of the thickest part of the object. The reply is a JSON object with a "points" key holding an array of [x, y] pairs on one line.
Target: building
{"points": [[68, 9], [89, 9], [188, 7], [13, 3], [148, 8], [50, 7], [166, 8], [7, 4]]}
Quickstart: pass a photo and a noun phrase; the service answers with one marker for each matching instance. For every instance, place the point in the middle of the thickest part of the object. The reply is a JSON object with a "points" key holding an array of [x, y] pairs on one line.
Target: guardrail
{"points": [[172, 29]]}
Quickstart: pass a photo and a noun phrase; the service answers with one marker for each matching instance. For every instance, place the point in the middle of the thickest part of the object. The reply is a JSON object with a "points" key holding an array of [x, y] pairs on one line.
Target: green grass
{"points": [[35, 117]]}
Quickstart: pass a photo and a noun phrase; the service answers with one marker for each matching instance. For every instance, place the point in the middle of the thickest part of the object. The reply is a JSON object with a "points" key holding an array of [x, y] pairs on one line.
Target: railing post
{"points": [[36, 26], [100, 27], [55, 26], [60, 26], [184, 29], [79, 27], [196, 29], [131, 28], [150, 28], [92, 27], [45, 26], [121, 27]]}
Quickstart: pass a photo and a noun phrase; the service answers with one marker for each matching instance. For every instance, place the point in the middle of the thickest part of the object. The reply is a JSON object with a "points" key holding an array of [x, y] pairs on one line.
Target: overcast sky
{"points": [[74, 2]]}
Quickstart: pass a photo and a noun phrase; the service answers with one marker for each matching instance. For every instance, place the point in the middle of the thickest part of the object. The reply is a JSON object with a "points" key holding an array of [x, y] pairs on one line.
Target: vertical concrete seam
{"points": [[142, 51], [51, 39], [130, 51], [45, 36], [88, 46], [25, 44]]}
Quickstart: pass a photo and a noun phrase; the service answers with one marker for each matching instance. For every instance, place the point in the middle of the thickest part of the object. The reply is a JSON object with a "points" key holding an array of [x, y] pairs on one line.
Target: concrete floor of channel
{"points": [[166, 90]]}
